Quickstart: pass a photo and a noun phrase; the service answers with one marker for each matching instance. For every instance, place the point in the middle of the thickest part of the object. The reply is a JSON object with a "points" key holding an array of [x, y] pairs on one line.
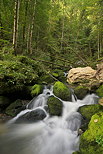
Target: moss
{"points": [[14, 108], [88, 140], [36, 89], [81, 91], [87, 112], [99, 91], [61, 91], [95, 127], [55, 106]]}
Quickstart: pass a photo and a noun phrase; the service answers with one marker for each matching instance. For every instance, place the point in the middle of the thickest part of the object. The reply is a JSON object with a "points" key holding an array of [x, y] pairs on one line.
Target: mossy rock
{"points": [[87, 112], [88, 140], [36, 90], [55, 106], [14, 108], [81, 91], [62, 91], [99, 91]]}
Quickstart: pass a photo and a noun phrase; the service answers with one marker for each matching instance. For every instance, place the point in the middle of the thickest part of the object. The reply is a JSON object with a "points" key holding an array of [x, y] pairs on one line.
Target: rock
{"points": [[81, 75], [81, 91], [55, 106], [15, 108], [62, 91], [99, 72], [4, 102], [99, 91], [91, 140], [32, 116], [87, 112], [101, 101]]}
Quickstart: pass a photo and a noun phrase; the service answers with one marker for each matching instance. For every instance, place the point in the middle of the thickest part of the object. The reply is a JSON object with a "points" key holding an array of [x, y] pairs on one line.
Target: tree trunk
{"points": [[62, 34], [31, 31], [16, 19]]}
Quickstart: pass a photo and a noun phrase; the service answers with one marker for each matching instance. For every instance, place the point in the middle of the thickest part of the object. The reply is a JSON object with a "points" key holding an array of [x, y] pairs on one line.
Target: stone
{"points": [[32, 116], [99, 72], [62, 91], [77, 75], [14, 108], [55, 106]]}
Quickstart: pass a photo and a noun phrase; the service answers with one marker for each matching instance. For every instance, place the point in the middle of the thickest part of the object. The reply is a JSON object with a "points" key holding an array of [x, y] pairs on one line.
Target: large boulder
{"points": [[32, 116], [81, 75], [62, 91], [87, 112], [55, 106], [91, 140]]}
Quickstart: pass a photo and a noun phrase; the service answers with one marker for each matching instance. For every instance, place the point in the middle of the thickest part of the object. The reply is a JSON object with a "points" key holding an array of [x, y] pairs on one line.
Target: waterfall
{"points": [[52, 135]]}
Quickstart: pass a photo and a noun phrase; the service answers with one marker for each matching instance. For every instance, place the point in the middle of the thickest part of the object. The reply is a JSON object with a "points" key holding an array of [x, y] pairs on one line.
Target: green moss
{"points": [[61, 91], [95, 127], [88, 111], [99, 91], [81, 91], [55, 106], [88, 140], [36, 89], [14, 108]]}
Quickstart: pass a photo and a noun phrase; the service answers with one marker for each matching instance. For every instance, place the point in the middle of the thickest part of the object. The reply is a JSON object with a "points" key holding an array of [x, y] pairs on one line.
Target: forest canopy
{"points": [[66, 32]]}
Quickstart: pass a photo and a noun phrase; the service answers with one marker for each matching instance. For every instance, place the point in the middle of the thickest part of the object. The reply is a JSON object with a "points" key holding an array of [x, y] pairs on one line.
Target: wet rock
{"points": [[55, 106], [32, 116]]}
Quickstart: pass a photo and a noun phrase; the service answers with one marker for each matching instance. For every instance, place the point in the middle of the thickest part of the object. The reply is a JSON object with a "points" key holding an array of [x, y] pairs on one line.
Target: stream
{"points": [[51, 135]]}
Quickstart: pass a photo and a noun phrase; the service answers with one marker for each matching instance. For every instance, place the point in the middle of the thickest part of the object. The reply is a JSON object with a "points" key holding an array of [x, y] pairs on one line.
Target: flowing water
{"points": [[52, 135]]}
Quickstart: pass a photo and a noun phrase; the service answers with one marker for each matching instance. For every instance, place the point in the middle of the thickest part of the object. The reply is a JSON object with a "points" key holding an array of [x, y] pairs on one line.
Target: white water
{"points": [[53, 135]]}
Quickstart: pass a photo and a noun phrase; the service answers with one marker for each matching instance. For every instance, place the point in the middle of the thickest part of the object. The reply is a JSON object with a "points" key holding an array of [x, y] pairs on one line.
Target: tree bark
{"points": [[16, 19], [31, 31]]}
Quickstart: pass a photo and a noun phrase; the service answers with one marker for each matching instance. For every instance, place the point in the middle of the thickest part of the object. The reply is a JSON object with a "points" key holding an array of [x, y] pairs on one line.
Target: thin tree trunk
{"points": [[62, 34], [16, 19], [28, 37], [24, 26], [32, 26], [98, 45]]}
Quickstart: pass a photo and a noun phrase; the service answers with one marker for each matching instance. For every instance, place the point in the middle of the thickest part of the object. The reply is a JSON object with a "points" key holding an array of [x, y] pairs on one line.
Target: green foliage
{"points": [[61, 91], [16, 74], [36, 89], [99, 91], [55, 106]]}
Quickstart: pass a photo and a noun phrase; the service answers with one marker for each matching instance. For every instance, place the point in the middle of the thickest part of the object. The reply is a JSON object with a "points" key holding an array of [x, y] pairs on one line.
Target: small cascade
{"points": [[50, 135]]}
